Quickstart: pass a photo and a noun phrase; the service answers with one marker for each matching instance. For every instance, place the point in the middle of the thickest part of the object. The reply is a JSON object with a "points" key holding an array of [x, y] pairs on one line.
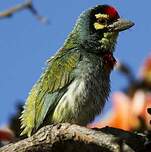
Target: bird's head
{"points": [[97, 29]]}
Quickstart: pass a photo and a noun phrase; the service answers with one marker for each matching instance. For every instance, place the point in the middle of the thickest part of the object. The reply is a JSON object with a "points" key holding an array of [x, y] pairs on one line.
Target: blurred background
{"points": [[26, 44]]}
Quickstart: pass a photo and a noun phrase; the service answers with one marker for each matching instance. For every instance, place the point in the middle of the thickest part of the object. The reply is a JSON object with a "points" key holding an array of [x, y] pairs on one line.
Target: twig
{"points": [[125, 69], [19, 7]]}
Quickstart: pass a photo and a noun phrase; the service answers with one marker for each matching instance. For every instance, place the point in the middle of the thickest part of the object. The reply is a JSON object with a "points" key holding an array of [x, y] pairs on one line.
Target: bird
{"points": [[75, 84]]}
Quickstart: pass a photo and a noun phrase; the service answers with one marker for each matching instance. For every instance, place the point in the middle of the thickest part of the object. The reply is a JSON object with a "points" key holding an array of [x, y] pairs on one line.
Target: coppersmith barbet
{"points": [[76, 82]]}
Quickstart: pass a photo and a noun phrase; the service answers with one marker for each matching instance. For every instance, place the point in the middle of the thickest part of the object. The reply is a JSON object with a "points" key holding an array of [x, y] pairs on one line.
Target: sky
{"points": [[26, 44]]}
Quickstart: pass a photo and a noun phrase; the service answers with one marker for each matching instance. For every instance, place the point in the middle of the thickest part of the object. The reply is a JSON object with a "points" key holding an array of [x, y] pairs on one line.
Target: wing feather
{"points": [[46, 92]]}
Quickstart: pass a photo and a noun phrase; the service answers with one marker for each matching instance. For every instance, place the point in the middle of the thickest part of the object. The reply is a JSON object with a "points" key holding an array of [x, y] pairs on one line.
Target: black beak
{"points": [[120, 25]]}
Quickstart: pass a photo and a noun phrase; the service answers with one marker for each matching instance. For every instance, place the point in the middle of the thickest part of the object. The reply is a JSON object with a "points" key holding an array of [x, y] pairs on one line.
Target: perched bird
{"points": [[76, 82]]}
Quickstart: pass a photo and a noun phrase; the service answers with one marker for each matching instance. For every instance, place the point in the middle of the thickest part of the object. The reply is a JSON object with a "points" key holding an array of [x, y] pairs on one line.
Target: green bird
{"points": [[76, 82]]}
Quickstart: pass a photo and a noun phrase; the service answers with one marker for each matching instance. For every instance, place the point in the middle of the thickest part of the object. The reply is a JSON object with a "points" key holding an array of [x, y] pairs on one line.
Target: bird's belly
{"points": [[82, 101]]}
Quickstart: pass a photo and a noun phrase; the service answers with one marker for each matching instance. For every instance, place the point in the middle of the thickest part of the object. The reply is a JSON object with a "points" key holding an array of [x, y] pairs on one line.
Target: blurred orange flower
{"points": [[6, 134], [127, 112]]}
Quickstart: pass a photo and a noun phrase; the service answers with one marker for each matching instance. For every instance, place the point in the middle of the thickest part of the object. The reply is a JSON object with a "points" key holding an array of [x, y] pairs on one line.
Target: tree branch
{"points": [[25, 5], [68, 138]]}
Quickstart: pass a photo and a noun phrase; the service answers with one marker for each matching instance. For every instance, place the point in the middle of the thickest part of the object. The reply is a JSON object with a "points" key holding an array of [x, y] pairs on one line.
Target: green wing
{"points": [[45, 93]]}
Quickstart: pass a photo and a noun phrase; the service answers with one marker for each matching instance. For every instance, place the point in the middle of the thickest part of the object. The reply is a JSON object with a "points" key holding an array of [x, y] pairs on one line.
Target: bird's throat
{"points": [[108, 41], [108, 60]]}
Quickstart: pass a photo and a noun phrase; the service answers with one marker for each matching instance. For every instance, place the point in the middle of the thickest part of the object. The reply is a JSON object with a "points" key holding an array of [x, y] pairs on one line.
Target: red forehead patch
{"points": [[111, 11]]}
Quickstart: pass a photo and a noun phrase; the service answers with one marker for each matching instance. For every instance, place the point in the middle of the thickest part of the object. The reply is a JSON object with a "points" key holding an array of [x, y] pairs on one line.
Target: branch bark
{"points": [[69, 138], [22, 6]]}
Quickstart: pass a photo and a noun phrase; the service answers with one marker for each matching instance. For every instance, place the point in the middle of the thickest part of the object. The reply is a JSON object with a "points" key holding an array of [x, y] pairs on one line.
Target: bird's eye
{"points": [[102, 21]]}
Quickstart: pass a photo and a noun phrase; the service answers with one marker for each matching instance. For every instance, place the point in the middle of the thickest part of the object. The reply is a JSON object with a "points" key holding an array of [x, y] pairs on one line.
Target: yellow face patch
{"points": [[99, 15], [98, 26], [101, 21]]}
